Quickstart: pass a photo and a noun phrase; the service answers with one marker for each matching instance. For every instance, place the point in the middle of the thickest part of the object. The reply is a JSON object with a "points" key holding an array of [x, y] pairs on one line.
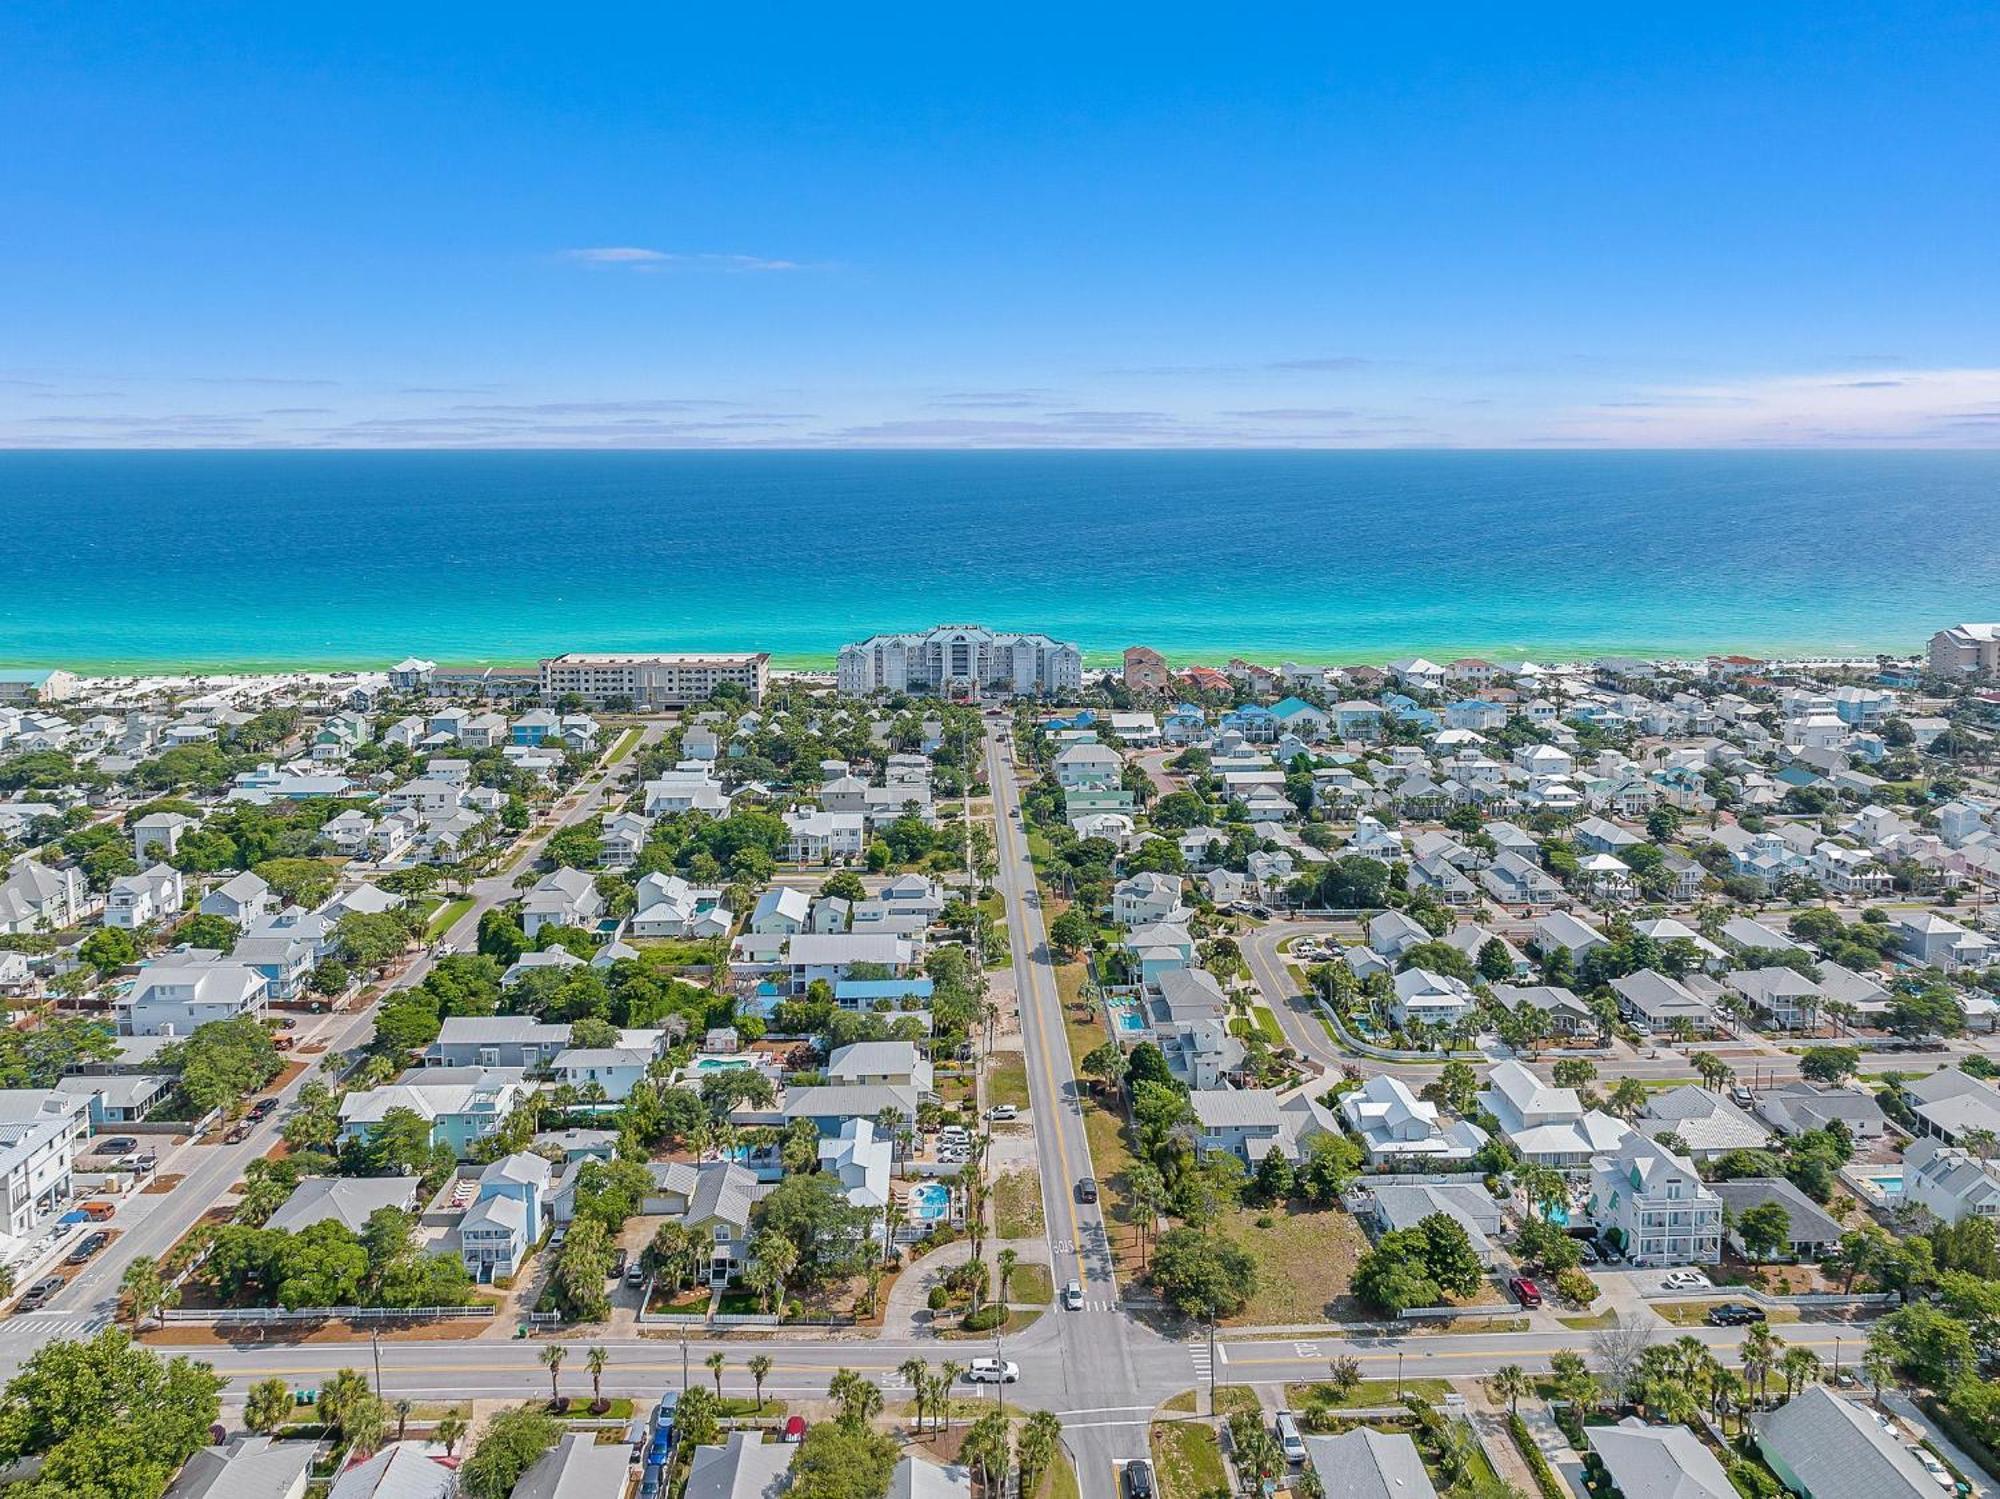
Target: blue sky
{"points": [[1705, 225]]}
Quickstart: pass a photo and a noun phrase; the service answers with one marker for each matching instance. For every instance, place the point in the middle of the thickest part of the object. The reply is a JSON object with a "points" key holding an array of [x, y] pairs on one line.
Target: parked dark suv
{"points": [[1735, 1314]]}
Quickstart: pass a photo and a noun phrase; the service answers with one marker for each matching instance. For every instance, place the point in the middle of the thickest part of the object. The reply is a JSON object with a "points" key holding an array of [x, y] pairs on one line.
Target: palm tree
{"points": [[363, 1425], [716, 1363], [268, 1406], [1007, 1260], [986, 1448], [1628, 1097], [916, 1373], [1041, 1434], [1799, 1367], [404, 1405], [450, 1430], [759, 1365], [1760, 1354], [594, 1361], [552, 1360], [144, 1292], [949, 1374], [894, 1212], [1714, 1071], [1509, 1383]]}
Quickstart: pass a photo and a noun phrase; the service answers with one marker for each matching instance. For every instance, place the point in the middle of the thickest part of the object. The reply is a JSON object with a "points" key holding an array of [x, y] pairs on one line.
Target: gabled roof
{"points": [[1835, 1449], [1659, 1462]]}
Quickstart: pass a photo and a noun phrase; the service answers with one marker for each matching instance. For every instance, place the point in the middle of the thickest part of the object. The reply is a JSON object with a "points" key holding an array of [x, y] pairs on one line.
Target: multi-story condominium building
{"points": [[654, 681], [1146, 670], [39, 1134], [1966, 650], [1664, 1214], [959, 656]]}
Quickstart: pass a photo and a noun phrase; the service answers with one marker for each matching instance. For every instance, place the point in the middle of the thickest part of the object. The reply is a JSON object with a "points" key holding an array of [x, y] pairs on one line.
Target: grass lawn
{"points": [[1367, 1395], [579, 1410], [1110, 1159], [1020, 1319], [738, 1406], [1305, 1264], [1229, 1398], [1002, 955], [442, 919], [1695, 1313], [1031, 1285], [1267, 1024], [1017, 1205], [1060, 1480], [1590, 1321], [1007, 1079], [1188, 1459], [627, 742]]}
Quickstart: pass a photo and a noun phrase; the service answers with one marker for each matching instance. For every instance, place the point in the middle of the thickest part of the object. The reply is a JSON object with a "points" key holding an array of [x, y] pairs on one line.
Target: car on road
{"points": [[663, 1413], [649, 1486], [618, 1263], [40, 1292], [1003, 1111], [795, 1429], [636, 1274], [1073, 1296], [263, 1108], [993, 1371], [1684, 1280], [1138, 1476], [90, 1245], [238, 1133], [1525, 1291], [1734, 1314], [1086, 1189], [117, 1145]]}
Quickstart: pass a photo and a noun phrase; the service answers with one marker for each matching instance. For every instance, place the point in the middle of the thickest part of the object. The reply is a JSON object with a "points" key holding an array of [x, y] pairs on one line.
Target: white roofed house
{"points": [[511, 1202], [1395, 1125], [1656, 1204], [243, 898], [136, 900], [816, 837], [1514, 880], [1548, 1125], [714, 1201], [1567, 1014], [862, 1161], [496, 1041], [1950, 1181], [563, 897], [161, 830], [175, 996], [1252, 1123], [1559, 929], [895, 1064], [622, 839], [1159, 949], [1142, 899], [613, 1070], [1936, 940], [1655, 1003], [1368, 1464], [1706, 1123], [832, 956], [462, 1105], [1432, 998], [665, 905], [780, 911], [1088, 767], [1950, 1104], [1451, 885], [40, 1131], [36, 898], [1391, 934], [1786, 999]]}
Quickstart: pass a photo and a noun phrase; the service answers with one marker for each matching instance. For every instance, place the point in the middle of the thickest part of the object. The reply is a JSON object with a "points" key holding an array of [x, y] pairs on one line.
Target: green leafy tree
{"points": [[512, 1442], [1202, 1274]]}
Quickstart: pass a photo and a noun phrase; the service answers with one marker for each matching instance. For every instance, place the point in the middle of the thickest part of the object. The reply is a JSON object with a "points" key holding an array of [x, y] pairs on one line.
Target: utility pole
{"points": [[375, 1341]]}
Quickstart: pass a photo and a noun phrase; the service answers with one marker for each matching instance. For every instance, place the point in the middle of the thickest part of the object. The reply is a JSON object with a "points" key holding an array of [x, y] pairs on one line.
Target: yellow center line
{"points": [[1030, 971], [1412, 1354]]}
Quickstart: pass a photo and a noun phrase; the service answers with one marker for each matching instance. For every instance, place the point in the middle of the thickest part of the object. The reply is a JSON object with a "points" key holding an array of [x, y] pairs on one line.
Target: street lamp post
{"points": [[1836, 1361], [1399, 1374]]}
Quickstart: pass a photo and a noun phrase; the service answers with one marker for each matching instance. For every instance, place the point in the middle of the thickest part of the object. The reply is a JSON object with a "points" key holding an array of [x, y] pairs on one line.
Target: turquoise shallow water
{"points": [[155, 559]]}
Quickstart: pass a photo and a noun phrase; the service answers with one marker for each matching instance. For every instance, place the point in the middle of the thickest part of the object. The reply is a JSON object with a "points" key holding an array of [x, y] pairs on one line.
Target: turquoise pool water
{"points": [[720, 1064], [1127, 1016], [930, 1201], [1888, 1183]]}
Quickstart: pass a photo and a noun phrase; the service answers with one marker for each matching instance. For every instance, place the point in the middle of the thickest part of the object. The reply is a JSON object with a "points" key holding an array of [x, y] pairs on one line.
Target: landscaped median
{"points": [[1187, 1457]]}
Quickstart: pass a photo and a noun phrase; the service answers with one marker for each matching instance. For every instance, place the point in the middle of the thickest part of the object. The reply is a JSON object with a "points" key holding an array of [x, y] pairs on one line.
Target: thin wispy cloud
{"points": [[1295, 414], [638, 258]]}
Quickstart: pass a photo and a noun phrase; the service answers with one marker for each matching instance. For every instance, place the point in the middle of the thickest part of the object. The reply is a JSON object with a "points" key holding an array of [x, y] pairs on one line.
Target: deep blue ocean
{"points": [[217, 559]]}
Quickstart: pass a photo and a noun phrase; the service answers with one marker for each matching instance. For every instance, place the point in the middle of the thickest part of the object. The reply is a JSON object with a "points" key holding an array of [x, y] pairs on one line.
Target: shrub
{"points": [[1538, 1464], [1576, 1287], [938, 1299], [985, 1318]]}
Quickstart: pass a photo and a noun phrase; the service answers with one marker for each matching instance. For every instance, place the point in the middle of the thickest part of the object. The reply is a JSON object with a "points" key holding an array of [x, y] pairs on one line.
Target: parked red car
{"points": [[1525, 1291]]}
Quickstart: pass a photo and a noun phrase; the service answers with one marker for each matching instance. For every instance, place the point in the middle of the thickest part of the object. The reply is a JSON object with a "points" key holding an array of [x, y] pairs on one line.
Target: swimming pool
{"points": [[1888, 1183], [1127, 1016], [718, 1064], [929, 1201]]}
